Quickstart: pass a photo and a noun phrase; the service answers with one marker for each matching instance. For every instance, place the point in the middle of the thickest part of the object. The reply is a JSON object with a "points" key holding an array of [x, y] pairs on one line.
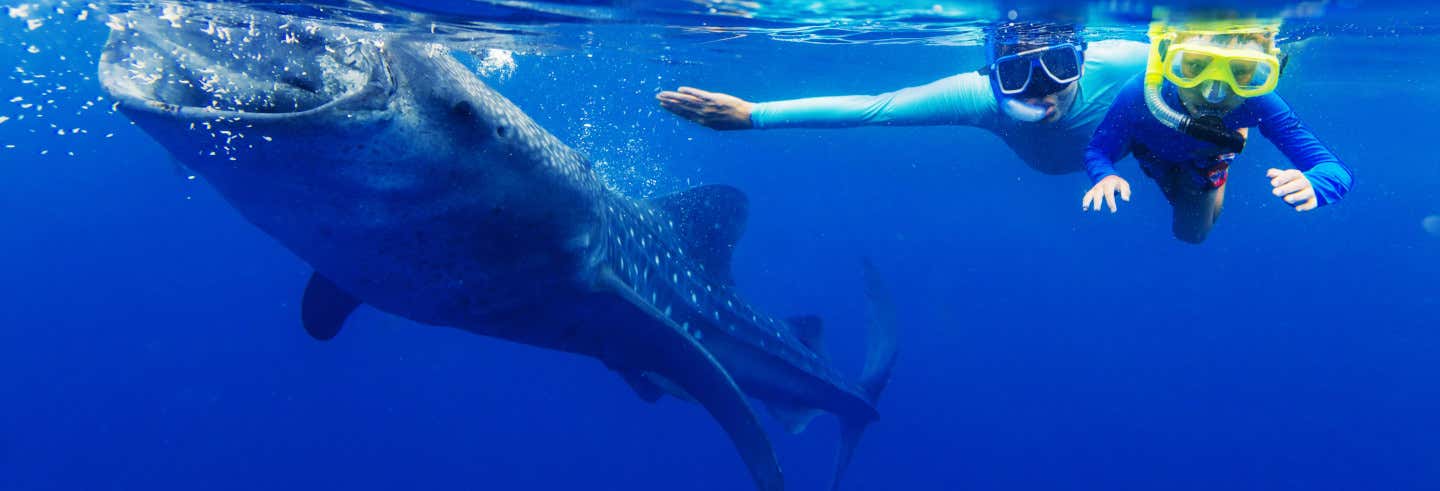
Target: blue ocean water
{"points": [[151, 336]]}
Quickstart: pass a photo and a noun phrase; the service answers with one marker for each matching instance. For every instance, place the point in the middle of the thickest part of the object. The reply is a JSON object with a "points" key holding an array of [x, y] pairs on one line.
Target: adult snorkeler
{"points": [[1043, 91], [1185, 119]]}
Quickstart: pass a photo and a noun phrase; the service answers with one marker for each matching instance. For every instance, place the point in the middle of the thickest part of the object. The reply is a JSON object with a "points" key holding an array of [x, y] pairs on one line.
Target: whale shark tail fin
{"points": [[880, 354]]}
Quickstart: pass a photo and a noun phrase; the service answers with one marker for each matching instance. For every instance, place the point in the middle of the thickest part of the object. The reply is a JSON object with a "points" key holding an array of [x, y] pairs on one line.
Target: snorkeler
{"points": [[1042, 92], [1185, 133]]}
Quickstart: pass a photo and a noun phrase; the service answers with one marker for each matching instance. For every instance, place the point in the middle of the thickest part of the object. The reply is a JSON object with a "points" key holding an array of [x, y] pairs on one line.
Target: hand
{"points": [[1105, 189], [1293, 187], [712, 109]]}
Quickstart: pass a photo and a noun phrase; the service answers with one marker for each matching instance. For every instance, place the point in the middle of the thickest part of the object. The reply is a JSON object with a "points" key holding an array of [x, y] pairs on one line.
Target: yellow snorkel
{"points": [[1209, 129]]}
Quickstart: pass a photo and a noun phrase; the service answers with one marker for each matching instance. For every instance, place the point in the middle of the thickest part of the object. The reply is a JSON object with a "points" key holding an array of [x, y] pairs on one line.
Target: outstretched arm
{"points": [[1319, 177], [1110, 143], [961, 99]]}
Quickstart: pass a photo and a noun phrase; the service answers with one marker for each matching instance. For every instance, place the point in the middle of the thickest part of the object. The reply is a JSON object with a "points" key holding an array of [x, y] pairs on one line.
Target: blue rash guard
{"points": [[1130, 128], [966, 99]]}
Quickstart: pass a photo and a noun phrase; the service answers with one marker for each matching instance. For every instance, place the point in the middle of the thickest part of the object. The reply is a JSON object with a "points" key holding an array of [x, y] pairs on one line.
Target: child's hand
{"points": [[1293, 187], [1106, 189]]}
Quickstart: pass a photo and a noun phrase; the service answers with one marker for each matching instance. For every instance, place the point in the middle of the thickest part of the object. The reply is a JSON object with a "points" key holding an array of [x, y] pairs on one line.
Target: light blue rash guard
{"points": [[966, 99], [1130, 128]]}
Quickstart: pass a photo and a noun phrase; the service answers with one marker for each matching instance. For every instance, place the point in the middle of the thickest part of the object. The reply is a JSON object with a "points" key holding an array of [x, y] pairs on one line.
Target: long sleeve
{"points": [[1111, 141], [1329, 176], [963, 99]]}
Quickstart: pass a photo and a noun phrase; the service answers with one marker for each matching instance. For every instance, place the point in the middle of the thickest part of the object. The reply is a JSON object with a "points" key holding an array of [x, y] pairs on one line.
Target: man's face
{"points": [[1056, 103], [1216, 98]]}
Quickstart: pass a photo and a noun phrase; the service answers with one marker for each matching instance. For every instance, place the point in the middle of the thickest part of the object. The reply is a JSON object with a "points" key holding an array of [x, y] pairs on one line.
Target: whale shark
{"points": [[412, 187]]}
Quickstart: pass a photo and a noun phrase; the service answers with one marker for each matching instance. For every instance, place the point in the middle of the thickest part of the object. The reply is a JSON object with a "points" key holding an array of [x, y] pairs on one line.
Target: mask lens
{"points": [[1250, 74], [1190, 64], [1013, 74], [1063, 63]]}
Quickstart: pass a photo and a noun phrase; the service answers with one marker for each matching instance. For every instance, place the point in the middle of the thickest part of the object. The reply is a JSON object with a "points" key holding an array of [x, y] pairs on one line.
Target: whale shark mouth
{"points": [[208, 68]]}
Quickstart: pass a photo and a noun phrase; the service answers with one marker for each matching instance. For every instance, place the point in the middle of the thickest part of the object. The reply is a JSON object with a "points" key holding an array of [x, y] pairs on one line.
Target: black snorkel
{"points": [[1210, 129]]}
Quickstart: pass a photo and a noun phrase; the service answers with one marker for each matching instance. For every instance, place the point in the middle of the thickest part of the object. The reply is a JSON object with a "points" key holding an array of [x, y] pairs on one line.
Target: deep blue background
{"points": [[149, 337]]}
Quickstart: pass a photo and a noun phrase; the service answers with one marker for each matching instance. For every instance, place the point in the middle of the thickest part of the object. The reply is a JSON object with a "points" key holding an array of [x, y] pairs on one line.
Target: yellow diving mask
{"points": [[1248, 72], [1189, 55]]}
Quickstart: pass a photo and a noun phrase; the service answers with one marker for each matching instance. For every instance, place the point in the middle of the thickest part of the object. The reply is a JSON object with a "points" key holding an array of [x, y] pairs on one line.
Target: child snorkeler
{"points": [[1185, 120]]}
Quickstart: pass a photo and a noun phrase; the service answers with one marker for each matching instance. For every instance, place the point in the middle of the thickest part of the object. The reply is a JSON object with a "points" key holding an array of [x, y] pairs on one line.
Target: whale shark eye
{"points": [[502, 131]]}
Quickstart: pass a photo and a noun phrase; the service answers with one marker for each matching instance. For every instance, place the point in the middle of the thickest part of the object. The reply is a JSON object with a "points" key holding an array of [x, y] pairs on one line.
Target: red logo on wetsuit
{"points": [[1219, 171]]}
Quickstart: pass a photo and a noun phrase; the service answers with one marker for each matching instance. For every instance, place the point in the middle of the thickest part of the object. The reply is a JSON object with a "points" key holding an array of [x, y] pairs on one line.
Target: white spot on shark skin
{"points": [[694, 299], [667, 311], [697, 334]]}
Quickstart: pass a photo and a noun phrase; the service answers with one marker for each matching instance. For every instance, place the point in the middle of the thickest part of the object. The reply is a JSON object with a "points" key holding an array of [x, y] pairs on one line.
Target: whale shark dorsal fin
{"points": [[325, 307], [709, 220], [665, 349]]}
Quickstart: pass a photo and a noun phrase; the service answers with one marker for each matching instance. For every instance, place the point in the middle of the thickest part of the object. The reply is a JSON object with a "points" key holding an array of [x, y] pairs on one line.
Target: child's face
{"points": [[1216, 98]]}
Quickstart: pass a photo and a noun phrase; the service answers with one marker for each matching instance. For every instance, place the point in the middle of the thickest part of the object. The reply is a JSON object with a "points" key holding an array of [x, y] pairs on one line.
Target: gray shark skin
{"points": [[410, 186]]}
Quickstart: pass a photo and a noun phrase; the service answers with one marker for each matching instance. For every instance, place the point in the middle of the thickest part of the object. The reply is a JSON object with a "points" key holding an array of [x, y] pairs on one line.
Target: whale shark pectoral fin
{"points": [[668, 386], [647, 390], [650, 387], [673, 354], [685, 362], [710, 220], [325, 307]]}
